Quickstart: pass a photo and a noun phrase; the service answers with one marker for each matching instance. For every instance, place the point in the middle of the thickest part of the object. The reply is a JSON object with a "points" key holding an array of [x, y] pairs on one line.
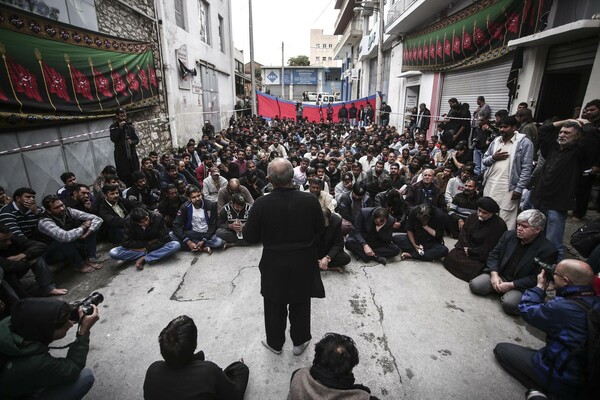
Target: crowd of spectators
{"points": [[501, 184]]}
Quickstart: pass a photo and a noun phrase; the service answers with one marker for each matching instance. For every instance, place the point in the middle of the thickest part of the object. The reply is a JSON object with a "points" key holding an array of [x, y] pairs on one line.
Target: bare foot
{"points": [[207, 250], [139, 263], [93, 265], [338, 269], [405, 256], [57, 292], [85, 269]]}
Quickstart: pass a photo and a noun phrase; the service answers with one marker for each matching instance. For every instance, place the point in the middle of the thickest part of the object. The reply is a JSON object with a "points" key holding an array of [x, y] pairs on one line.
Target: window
{"points": [[330, 58], [324, 45], [221, 35], [318, 58], [179, 14], [204, 19], [330, 45], [318, 45]]}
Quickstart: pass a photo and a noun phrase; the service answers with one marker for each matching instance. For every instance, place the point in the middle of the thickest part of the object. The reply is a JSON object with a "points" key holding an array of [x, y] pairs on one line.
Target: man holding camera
{"points": [[558, 368], [26, 366]]}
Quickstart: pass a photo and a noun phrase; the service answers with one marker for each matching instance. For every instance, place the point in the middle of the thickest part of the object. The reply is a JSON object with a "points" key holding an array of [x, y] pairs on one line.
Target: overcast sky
{"points": [[280, 20]]}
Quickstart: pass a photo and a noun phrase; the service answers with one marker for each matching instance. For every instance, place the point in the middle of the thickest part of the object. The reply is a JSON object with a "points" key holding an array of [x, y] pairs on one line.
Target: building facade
{"points": [[199, 65], [298, 80], [322, 49]]}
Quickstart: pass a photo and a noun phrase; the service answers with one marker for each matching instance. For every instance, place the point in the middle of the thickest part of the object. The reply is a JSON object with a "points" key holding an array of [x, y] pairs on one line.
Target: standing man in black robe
{"points": [[288, 223], [122, 134]]}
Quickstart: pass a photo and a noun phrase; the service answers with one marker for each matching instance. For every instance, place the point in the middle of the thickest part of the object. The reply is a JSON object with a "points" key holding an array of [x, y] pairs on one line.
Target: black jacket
{"points": [[525, 273], [363, 229], [134, 237], [109, 216]]}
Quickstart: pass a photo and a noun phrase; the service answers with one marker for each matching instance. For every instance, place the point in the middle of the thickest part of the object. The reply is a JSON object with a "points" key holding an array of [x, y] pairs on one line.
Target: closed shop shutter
{"points": [[572, 55], [488, 81]]}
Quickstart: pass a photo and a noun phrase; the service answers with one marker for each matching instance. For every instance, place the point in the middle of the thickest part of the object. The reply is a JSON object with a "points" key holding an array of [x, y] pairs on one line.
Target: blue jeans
{"points": [[121, 253], [214, 242], [555, 229], [69, 391], [477, 156]]}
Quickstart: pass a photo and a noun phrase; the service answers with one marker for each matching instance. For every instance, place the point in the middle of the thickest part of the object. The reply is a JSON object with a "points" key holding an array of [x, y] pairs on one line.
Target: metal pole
{"points": [[252, 77], [378, 83], [281, 76]]}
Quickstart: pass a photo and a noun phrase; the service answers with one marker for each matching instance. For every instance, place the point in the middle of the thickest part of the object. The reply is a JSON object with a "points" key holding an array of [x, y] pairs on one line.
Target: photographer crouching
{"points": [[559, 369], [27, 369]]}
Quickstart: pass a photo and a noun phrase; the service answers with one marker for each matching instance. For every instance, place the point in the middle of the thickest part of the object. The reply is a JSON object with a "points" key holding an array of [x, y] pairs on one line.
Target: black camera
{"points": [[549, 268], [86, 305]]}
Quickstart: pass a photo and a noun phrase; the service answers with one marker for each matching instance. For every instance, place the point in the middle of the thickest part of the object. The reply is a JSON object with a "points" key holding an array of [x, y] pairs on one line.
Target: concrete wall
{"points": [[186, 108]]}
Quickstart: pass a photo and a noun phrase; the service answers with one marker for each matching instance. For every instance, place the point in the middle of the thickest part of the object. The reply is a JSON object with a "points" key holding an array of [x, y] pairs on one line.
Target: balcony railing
{"points": [[354, 28], [396, 10]]}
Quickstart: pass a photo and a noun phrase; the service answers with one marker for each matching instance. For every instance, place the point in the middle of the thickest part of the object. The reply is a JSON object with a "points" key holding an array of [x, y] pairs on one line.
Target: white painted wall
{"points": [[185, 107]]}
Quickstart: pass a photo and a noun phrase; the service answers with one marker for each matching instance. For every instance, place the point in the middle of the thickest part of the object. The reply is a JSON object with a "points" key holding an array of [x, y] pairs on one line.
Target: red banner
{"points": [[271, 106]]}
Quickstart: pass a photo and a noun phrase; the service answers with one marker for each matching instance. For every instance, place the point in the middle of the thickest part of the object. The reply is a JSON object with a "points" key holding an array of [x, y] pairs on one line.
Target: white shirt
{"points": [[199, 220]]}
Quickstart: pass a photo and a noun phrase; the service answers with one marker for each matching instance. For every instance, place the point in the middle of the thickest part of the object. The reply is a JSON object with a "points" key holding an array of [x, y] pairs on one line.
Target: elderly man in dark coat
{"points": [[510, 269], [478, 236], [288, 223], [123, 135]]}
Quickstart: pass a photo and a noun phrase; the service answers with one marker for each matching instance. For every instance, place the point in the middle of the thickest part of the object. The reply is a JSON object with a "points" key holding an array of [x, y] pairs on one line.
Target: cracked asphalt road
{"points": [[419, 331]]}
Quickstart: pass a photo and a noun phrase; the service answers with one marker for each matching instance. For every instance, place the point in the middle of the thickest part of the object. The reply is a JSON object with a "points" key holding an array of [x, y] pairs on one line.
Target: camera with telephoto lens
{"points": [[86, 305], [549, 268]]}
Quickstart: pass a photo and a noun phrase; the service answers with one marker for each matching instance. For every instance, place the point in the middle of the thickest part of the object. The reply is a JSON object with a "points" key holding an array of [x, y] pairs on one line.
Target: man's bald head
{"points": [[280, 172], [234, 184], [577, 272]]}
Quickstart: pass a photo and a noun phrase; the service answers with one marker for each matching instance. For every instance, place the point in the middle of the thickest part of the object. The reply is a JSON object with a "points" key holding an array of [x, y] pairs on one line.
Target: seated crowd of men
{"points": [[383, 193]]}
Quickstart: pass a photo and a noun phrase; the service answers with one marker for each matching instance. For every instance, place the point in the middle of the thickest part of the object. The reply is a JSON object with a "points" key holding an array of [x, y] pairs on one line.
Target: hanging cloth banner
{"points": [[270, 107], [474, 35], [52, 72]]}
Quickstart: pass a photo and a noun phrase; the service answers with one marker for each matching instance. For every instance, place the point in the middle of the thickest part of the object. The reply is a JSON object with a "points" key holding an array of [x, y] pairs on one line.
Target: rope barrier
{"points": [[55, 141]]}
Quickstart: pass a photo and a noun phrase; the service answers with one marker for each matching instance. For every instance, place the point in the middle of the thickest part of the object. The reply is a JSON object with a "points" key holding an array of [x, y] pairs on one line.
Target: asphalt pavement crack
{"points": [[174, 295], [383, 340], [237, 276]]}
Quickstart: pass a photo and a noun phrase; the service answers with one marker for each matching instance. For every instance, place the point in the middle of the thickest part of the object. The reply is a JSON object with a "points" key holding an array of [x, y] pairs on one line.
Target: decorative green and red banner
{"points": [[476, 34], [51, 72]]}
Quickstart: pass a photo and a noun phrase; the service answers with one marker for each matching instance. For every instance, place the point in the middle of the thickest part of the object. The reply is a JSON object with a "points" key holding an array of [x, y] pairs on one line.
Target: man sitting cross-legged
{"points": [[371, 236], [196, 223], [145, 239], [510, 264], [70, 235], [232, 218], [424, 238], [479, 235], [331, 252], [18, 255]]}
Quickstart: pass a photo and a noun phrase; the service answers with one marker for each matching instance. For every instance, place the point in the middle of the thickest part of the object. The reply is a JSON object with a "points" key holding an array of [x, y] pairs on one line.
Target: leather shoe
{"points": [[381, 260], [300, 349], [264, 343]]}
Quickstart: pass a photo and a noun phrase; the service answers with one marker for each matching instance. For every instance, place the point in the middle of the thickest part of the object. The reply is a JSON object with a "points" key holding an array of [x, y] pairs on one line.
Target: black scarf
{"points": [[328, 379]]}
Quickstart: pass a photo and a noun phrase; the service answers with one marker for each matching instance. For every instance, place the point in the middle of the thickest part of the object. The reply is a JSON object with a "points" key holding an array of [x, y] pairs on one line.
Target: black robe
{"points": [[288, 223], [480, 237], [126, 158]]}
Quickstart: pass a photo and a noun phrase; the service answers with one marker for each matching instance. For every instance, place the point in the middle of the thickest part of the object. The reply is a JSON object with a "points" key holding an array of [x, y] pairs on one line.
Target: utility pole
{"points": [[252, 77], [379, 82], [281, 76]]}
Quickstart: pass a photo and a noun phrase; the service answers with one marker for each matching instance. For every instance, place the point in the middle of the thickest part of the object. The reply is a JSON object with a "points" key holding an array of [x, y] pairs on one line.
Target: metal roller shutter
{"points": [[488, 81], [572, 55]]}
